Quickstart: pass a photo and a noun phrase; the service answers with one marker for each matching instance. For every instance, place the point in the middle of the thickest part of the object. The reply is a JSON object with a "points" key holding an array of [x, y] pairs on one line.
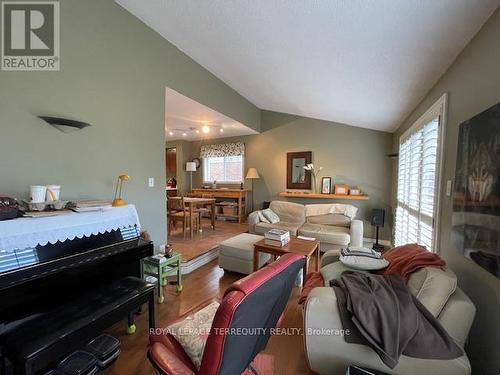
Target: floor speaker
{"points": [[378, 221], [378, 217]]}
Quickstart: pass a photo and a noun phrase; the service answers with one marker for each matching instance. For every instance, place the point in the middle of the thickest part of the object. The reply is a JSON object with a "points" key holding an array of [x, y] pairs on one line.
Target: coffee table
{"points": [[296, 245]]}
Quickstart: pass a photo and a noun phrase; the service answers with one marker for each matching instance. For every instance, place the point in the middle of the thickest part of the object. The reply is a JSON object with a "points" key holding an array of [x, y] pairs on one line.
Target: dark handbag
{"points": [[9, 208]]}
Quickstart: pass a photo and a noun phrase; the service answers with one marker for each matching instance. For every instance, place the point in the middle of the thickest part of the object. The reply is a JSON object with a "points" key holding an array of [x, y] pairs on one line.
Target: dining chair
{"points": [[177, 211], [207, 209]]}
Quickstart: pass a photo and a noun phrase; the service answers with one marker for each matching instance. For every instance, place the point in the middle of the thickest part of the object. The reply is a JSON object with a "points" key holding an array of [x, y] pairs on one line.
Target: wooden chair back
{"points": [[175, 204]]}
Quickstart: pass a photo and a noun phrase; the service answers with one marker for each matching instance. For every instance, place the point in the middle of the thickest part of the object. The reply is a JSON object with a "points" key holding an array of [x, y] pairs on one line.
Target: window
{"points": [[223, 169], [223, 162], [418, 179]]}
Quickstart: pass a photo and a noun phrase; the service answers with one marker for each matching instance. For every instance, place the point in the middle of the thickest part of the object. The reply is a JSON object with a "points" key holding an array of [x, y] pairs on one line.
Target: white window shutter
{"points": [[417, 176]]}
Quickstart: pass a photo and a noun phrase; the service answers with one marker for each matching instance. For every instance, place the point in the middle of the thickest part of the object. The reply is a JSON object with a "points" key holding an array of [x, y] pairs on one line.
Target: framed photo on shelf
{"points": [[326, 185], [354, 191], [341, 189]]}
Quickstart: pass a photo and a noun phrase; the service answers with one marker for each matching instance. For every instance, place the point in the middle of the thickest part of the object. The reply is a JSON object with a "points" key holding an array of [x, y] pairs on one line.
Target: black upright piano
{"points": [[55, 298]]}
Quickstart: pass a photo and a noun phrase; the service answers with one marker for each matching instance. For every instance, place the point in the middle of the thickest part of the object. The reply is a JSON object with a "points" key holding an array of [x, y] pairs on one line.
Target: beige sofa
{"points": [[330, 354], [329, 223]]}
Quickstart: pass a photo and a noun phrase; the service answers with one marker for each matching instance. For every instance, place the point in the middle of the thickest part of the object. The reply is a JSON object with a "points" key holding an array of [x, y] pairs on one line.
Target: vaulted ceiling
{"points": [[360, 62]]}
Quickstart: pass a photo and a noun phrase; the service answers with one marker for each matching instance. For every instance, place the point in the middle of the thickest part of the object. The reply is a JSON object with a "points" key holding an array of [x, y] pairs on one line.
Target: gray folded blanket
{"points": [[381, 312]]}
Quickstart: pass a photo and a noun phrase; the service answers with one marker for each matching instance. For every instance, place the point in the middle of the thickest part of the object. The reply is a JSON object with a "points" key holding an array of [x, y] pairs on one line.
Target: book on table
{"points": [[277, 235]]}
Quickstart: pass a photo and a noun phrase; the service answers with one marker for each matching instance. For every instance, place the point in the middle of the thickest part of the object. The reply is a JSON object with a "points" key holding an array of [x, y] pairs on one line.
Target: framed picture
{"points": [[296, 176], [341, 189], [476, 198], [354, 191], [326, 185]]}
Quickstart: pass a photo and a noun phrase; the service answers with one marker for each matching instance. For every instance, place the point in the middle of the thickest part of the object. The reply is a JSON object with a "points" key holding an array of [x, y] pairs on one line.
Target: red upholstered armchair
{"points": [[256, 303]]}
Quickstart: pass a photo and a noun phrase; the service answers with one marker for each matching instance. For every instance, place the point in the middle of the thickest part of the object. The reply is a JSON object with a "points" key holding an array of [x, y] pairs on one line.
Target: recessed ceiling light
{"points": [[205, 129], [197, 132], [221, 130], [170, 133], [184, 134]]}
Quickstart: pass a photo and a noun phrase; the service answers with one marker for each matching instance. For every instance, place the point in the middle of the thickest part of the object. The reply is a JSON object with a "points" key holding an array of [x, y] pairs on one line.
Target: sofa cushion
{"points": [[344, 209], [289, 212], [318, 209], [326, 233], [331, 208], [433, 287], [271, 216], [330, 219], [240, 246], [262, 228]]}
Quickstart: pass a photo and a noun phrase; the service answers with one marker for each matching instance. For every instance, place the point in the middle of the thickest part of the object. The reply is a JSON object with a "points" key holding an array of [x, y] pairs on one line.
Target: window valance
{"points": [[222, 149]]}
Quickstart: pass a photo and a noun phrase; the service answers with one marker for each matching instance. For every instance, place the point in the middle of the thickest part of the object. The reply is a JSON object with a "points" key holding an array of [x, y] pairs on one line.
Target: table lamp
{"points": [[252, 174], [190, 167], [119, 201]]}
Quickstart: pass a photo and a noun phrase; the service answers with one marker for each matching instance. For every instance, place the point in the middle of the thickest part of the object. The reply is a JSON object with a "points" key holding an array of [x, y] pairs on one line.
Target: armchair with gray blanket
{"points": [[328, 352]]}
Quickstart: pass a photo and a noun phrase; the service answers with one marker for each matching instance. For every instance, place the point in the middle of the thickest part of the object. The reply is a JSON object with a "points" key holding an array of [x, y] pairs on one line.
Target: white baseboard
{"points": [[195, 263]]}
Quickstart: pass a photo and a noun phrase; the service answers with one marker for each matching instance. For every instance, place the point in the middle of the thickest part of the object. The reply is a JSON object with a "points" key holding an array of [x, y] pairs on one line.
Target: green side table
{"points": [[160, 267]]}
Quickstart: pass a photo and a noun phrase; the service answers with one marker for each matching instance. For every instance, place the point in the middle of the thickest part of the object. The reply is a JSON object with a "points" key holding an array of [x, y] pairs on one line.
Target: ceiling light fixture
{"points": [[192, 131]]}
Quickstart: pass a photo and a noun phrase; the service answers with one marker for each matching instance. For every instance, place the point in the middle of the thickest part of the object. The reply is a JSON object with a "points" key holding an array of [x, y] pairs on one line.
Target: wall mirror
{"points": [[296, 176]]}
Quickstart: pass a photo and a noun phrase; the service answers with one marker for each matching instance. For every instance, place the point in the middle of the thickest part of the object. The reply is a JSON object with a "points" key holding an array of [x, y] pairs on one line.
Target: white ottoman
{"points": [[236, 253]]}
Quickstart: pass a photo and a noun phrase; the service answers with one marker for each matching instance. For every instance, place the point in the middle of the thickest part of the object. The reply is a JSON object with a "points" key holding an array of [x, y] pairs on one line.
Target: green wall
{"points": [[473, 84], [114, 71], [355, 156]]}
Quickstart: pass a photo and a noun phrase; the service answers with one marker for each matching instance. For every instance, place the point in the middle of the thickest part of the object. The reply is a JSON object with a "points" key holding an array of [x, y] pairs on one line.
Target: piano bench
{"points": [[43, 341]]}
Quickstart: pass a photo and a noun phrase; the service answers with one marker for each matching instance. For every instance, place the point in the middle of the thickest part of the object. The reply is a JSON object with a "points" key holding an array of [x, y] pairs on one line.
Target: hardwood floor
{"points": [[205, 241], [203, 284]]}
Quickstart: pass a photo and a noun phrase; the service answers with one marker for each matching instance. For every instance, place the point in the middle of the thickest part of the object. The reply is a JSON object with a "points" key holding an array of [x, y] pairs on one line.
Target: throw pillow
{"points": [[192, 333], [271, 216], [363, 259], [262, 218]]}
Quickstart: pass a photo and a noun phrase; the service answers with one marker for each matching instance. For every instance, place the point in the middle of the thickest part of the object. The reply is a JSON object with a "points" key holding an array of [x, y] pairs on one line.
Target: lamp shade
{"points": [[191, 166], [252, 174]]}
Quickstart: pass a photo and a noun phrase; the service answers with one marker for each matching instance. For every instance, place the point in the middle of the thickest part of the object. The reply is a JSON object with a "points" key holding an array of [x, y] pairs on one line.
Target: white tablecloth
{"points": [[26, 233]]}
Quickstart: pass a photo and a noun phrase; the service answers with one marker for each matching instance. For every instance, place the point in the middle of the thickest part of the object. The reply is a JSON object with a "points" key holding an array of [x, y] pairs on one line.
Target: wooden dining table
{"points": [[193, 203]]}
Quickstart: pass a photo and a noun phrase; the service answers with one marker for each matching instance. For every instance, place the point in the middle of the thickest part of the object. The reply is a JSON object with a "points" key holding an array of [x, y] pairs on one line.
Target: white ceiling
{"points": [[185, 119], [361, 62]]}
